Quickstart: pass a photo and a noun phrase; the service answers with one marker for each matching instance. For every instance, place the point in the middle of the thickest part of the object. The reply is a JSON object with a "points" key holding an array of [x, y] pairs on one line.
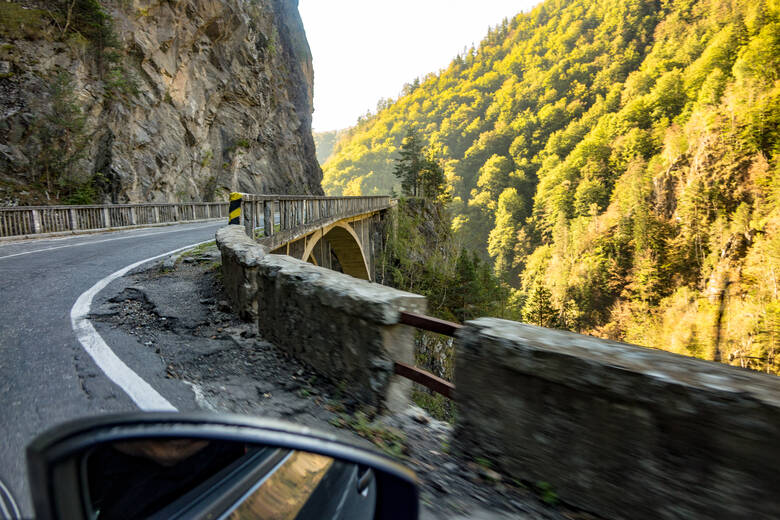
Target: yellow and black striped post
{"points": [[235, 209]]}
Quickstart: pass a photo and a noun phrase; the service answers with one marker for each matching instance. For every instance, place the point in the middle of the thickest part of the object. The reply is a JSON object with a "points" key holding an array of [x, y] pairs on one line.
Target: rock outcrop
{"points": [[194, 98]]}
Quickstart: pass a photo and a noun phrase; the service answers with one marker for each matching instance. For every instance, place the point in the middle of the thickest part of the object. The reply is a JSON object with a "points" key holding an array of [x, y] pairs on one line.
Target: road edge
{"points": [[136, 388]]}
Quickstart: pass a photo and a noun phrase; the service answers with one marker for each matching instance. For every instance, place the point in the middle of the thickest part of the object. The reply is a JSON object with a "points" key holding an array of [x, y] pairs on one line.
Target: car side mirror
{"points": [[169, 466]]}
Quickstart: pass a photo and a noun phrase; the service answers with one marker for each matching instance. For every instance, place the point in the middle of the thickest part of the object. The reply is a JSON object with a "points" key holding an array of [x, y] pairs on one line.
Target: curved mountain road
{"points": [[46, 376]]}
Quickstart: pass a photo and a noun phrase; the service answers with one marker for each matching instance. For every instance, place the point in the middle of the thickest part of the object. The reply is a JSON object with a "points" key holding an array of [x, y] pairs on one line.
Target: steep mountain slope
{"points": [[618, 161], [154, 100]]}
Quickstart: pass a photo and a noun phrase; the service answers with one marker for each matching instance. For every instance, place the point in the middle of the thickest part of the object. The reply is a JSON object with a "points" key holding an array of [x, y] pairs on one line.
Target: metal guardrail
{"points": [[277, 213], [33, 220], [418, 375]]}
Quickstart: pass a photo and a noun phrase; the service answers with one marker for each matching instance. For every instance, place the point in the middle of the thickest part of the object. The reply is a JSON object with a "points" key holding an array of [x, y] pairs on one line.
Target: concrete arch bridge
{"points": [[340, 233]]}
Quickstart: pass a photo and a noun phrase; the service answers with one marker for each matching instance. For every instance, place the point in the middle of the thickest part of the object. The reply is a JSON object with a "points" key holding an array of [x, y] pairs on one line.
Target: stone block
{"points": [[623, 431], [346, 329], [240, 258]]}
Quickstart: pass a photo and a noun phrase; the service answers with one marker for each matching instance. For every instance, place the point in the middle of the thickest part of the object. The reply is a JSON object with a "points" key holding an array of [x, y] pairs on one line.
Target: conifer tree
{"points": [[432, 178], [409, 165], [419, 170], [538, 309]]}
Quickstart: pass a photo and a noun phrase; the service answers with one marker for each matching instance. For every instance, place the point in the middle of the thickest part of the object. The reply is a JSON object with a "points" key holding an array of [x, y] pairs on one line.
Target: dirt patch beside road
{"points": [[176, 308]]}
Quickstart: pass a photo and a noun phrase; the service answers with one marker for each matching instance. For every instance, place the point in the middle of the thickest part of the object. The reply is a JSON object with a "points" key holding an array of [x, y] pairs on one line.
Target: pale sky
{"points": [[365, 50]]}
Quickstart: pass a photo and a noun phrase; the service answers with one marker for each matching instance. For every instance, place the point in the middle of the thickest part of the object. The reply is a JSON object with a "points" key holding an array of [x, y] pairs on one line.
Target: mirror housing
{"points": [[57, 462]]}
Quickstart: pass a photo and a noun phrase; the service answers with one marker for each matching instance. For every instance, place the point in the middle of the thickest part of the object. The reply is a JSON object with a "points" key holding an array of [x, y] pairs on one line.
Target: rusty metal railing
{"points": [[418, 375]]}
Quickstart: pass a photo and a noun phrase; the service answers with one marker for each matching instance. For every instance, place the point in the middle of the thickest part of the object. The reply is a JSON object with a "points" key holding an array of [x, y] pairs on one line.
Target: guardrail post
{"points": [[249, 219], [268, 216], [36, 221], [234, 211], [74, 221], [133, 218], [106, 218]]}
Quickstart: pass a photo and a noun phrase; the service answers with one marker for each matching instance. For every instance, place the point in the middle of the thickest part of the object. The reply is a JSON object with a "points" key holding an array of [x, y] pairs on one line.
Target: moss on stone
{"points": [[17, 22]]}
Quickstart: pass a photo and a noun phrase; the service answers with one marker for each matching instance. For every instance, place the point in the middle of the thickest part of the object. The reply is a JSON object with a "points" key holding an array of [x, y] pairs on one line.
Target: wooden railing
{"points": [[275, 213], [32, 220]]}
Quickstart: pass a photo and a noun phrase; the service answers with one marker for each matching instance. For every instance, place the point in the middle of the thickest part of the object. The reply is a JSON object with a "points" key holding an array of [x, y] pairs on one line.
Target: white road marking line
{"points": [[101, 241], [141, 392], [15, 509]]}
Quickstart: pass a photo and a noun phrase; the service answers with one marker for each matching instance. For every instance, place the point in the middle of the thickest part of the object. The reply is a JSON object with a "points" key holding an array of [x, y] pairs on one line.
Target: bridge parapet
{"points": [[348, 330], [623, 431], [314, 229], [282, 218]]}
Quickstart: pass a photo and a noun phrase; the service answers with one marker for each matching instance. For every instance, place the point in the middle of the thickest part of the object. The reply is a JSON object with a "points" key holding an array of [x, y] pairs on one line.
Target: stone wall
{"points": [[240, 258], [623, 431], [346, 329]]}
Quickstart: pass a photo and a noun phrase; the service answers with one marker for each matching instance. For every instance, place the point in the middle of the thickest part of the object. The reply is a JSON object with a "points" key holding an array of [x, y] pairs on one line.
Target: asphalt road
{"points": [[46, 377]]}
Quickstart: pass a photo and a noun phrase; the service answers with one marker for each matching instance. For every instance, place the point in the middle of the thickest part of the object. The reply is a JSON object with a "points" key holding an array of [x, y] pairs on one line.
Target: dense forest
{"points": [[325, 142], [617, 161]]}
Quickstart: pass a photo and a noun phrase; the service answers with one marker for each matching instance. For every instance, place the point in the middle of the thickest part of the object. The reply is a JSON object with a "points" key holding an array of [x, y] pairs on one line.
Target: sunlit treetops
{"points": [[613, 152]]}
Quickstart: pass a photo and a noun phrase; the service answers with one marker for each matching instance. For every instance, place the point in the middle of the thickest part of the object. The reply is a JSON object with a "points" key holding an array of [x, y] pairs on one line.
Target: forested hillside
{"points": [[325, 142], [618, 161]]}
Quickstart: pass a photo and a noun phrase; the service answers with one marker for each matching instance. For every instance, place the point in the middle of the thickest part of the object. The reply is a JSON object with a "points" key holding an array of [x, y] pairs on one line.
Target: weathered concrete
{"points": [[623, 431], [346, 329], [240, 257]]}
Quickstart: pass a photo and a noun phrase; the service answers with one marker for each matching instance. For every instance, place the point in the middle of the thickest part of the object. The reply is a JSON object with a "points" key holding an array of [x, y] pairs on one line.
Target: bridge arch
{"points": [[345, 244]]}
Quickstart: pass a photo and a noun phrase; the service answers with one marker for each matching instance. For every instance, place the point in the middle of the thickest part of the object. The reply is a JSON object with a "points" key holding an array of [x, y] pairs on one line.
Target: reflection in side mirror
{"points": [[167, 466]]}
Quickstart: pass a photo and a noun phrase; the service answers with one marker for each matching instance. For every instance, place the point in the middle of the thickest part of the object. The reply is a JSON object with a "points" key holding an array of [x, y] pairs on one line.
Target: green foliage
{"points": [[409, 165], [88, 21], [614, 160], [440, 407], [421, 256], [85, 17], [389, 440], [503, 239], [418, 170], [82, 194], [120, 83], [325, 142], [538, 308], [17, 22], [546, 493], [62, 137]]}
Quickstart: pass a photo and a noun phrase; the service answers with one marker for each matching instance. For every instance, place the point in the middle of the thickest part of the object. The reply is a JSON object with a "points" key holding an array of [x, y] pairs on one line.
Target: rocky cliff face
{"points": [[154, 100]]}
